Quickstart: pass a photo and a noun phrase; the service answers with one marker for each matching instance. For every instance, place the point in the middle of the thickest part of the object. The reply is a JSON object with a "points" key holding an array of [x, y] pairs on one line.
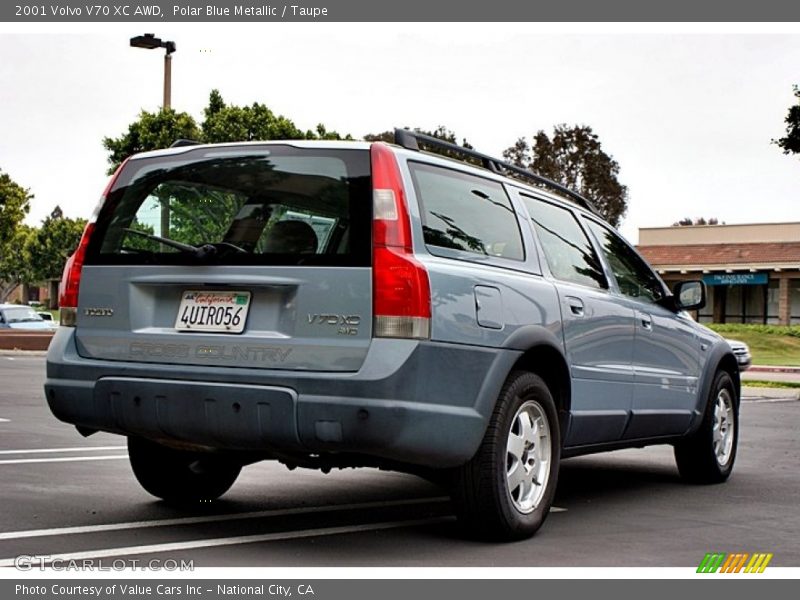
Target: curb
{"points": [[25, 340]]}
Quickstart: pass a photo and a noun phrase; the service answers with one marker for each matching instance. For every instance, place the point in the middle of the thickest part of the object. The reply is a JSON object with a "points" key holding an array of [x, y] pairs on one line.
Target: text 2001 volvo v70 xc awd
{"points": [[331, 304]]}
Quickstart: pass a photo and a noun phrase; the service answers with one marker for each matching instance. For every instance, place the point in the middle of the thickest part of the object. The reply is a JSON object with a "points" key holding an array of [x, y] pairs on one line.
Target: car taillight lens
{"points": [[71, 279], [400, 288]]}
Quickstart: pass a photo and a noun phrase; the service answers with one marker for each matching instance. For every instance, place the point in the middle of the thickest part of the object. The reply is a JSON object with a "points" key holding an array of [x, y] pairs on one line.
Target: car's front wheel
{"points": [[180, 476], [707, 455], [506, 490]]}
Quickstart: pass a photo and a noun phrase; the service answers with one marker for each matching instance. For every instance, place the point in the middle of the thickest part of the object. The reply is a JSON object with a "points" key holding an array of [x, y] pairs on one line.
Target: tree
{"points": [[150, 132], [51, 245], [574, 158], [222, 123], [790, 143], [15, 267], [687, 222], [14, 205]]}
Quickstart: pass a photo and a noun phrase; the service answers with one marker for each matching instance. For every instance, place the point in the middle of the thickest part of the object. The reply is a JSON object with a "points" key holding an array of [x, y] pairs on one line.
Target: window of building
{"points": [[794, 301], [773, 302]]}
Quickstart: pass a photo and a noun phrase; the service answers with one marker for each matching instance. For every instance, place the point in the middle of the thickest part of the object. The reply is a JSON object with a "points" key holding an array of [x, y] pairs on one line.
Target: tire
{"points": [[512, 455], [707, 455], [178, 476]]}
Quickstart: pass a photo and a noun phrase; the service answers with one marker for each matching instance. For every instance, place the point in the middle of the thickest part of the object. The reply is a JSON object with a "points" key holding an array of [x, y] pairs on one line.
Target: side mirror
{"points": [[689, 295]]}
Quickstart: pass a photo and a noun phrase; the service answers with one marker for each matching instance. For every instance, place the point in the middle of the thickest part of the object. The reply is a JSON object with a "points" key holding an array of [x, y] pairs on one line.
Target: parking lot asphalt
{"points": [[73, 497]]}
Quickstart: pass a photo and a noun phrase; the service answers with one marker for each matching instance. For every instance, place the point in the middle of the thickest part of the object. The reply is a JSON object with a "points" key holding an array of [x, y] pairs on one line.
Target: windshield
{"points": [[23, 314], [254, 205]]}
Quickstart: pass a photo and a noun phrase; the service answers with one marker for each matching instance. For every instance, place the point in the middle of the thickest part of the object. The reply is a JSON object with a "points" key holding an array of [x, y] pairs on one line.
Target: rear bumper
{"points": [[420, 403]]}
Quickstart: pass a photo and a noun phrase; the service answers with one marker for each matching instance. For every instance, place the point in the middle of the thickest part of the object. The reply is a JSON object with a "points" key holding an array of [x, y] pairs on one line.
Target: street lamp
{"points": [[150, 42]]}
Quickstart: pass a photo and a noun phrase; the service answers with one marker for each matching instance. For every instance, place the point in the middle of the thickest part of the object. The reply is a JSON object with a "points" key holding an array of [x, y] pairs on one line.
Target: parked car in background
{"points": [[742, 353], [18, 316]]}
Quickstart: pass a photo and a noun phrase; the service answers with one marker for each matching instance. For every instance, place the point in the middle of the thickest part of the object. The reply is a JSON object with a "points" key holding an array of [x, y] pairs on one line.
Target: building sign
{"points": [[736, 279]]}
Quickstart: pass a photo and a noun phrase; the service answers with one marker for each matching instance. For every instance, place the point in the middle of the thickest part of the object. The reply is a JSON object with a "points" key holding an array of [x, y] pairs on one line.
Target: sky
{"points": [[688, 112]]}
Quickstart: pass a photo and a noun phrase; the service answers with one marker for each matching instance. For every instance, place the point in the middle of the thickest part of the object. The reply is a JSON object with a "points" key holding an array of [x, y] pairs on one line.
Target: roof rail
{"points": [[179, 143], [410, 140]]}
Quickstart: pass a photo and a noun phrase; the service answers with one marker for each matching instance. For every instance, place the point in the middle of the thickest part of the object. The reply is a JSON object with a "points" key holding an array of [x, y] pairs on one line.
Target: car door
{"points": [[667, 354], [597, 329]]}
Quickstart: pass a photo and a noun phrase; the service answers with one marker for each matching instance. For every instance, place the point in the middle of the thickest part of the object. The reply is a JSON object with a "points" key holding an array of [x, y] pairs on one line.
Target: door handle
{"points": [[646, 321], [575, 306]]}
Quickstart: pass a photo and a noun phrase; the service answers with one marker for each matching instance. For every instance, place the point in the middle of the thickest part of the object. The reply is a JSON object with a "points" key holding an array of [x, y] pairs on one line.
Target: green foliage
{"points": [[15, 264], [14, 205], [769, 344], [51, 245], [222, 123], [150, 132], [740, 328], [771, 384], [790, 143], [574, 157]]}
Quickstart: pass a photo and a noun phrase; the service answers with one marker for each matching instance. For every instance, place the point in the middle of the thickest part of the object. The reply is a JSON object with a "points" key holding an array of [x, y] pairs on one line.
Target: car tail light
{"points": [[71, 278], [400, 288]]}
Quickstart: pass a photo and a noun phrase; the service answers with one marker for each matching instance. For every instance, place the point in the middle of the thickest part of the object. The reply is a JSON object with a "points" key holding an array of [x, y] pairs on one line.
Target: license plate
{"points": [[224, 312]]}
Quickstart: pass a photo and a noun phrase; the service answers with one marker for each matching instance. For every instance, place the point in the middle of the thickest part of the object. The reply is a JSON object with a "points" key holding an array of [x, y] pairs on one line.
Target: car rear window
{"points": [[274, 204]]}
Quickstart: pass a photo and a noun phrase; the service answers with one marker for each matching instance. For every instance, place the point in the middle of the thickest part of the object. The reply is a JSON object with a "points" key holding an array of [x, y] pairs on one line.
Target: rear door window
{"points": [[240, 205], [466, 213]]}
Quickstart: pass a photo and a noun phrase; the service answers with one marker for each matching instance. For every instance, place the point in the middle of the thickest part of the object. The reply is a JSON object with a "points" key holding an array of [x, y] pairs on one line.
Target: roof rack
{"points": [[179, 143], [410, 140]]}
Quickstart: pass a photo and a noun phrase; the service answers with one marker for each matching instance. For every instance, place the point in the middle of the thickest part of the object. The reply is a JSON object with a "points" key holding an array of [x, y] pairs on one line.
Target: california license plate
{"points": [[223, 312]]}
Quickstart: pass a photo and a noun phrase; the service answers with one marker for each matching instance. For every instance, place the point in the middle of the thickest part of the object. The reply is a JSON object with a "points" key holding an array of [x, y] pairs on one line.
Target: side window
{"points": [[634, 277], [568, 251], [466, 213]]}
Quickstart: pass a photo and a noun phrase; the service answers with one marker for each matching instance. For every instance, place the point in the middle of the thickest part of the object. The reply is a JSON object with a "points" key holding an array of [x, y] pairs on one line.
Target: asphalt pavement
{"points": [[74, 497]]}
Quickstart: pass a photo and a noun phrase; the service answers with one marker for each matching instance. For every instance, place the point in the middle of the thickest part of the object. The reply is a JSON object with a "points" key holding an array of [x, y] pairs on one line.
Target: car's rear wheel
{"points": [[180, 476], [506, 490], [707, 456]]}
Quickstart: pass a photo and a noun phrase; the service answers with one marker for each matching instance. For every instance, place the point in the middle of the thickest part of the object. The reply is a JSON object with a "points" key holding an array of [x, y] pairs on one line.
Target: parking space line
{"points": [[57, 450], [233, 541], [23, 461], [5, 420], [279, 512]]}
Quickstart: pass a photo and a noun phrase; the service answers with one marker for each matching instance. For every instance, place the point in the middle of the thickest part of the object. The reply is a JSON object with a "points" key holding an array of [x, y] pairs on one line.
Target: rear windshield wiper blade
{"points": [[162, 240]]}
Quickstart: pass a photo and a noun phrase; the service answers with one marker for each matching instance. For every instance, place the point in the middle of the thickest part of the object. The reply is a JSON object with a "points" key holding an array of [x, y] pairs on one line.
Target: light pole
{"points": [[149, 41]]}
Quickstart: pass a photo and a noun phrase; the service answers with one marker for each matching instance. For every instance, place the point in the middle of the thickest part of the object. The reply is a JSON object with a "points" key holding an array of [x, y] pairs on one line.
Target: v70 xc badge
{"points": [[347, 324]]}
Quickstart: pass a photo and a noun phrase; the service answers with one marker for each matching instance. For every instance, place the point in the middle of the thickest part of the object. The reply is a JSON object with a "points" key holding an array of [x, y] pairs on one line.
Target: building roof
{"points": [[694, 257]]}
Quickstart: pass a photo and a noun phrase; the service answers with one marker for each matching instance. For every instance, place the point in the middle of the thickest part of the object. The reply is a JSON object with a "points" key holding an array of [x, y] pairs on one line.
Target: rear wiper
{"points": [[203, 251], [163, 240]]}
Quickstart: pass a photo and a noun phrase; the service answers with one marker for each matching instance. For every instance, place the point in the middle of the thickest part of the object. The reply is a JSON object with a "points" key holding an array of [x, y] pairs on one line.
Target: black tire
{"points": [[700, 458], [179, 476], [484, 504]]}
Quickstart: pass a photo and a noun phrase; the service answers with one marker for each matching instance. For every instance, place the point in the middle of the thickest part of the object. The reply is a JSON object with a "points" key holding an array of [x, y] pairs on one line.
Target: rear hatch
{"points": [[253, 255]]}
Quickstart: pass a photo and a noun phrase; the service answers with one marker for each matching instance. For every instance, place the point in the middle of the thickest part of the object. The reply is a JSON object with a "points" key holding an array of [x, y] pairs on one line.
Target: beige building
{"points": [[752, 272]]}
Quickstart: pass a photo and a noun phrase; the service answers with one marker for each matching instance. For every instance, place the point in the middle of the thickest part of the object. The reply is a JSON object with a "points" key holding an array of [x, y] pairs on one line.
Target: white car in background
{"points": [[742, 353], [19, 316]]}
